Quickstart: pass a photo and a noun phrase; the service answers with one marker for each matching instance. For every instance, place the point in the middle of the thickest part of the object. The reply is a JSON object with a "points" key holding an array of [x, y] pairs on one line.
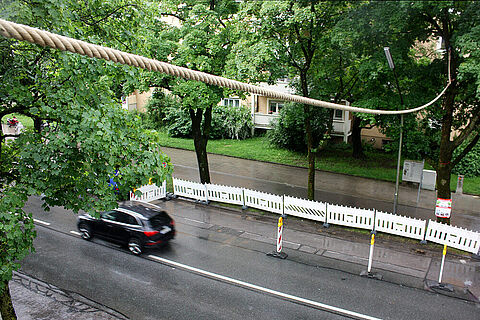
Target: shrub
{"points": [[289, 130], [227, 122]]}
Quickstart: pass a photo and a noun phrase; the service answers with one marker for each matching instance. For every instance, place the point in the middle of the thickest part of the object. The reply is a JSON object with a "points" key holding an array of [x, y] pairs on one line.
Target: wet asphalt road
{"points": [[142, 288]]}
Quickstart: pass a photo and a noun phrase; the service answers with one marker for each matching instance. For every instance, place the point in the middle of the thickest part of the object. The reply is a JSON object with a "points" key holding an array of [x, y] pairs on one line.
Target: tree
{"points": [[443, 127], [286, 39], [199, 41], [80, 136]]}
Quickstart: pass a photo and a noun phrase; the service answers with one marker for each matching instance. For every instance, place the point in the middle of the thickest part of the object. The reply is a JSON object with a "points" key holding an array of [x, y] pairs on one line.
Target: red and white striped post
{"points": [[278, 253], [279, 234]]}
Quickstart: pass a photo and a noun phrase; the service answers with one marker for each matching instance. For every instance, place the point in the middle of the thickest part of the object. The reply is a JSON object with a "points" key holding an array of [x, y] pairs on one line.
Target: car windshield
{"points": [[159, 220]]}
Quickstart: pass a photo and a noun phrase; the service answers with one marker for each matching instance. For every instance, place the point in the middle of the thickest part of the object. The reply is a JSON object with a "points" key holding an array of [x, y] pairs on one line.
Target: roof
{"points": [[143, 209]]}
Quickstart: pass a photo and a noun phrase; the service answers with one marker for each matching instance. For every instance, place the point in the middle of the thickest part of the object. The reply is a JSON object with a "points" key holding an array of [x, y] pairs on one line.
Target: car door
{"points": [[103, 227]]}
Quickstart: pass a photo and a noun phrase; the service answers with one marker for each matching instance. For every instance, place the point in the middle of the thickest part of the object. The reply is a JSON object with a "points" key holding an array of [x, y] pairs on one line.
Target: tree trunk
{"points": [[310, 155], [6, 307], [200, 140], [444, 167], [357, 138]]}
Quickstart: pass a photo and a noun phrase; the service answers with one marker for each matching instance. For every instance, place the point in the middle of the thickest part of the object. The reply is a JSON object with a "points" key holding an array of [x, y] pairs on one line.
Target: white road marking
{"points": [[194, 220], [41, 222], [275, 293], [76, 233]]}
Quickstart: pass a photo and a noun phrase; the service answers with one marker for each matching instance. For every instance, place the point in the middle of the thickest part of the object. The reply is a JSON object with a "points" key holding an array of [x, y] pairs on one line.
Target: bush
{"points": [[227, 122], [289, 130], [470, 164]]}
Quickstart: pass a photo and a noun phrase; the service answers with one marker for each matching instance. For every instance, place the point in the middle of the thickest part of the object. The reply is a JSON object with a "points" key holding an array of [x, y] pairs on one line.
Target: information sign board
{"points": [[443, 208]]}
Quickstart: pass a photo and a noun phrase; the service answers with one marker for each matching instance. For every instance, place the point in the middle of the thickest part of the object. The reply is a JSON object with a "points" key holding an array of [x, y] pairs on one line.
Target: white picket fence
{"points": [[150, 192], [454, 237], [400, 225], [306, 209], [350, 217], [322, 212], [225, 194], [264, 201], [188, 189]]}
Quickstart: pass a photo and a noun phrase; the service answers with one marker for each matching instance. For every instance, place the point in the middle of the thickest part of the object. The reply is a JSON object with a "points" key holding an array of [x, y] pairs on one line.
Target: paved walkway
{"points": [[36, 300], [329, 187]]}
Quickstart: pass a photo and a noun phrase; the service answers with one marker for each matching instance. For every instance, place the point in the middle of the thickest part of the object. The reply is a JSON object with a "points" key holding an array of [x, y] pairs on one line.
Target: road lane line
{"points": [[286, 296], [41, 222], [76, 233]]}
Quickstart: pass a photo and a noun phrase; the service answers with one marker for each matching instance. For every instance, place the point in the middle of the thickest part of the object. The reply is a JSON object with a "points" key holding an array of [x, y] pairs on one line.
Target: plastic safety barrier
{"points": [[150, 192], [225, 194], [188, 189], [454, 237], [350, 217], [400, 225], [264, 201], [307, 209]]}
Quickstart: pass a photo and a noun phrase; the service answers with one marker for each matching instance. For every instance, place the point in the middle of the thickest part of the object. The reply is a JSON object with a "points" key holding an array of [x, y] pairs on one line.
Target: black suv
{"points": [[137, 224]]}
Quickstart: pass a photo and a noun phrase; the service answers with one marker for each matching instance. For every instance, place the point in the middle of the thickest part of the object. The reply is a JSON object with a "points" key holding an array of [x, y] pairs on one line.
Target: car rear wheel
{"points": [[85, 231], [135, 246]]}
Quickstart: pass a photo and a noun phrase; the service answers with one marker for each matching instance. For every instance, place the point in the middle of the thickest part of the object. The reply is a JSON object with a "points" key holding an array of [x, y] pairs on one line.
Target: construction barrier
{"points": [[350, 217], [306, 209], [188, 189], [225, 194], [451, 236], [454, 237], [150, 192], [400, 225], [264, 201]]}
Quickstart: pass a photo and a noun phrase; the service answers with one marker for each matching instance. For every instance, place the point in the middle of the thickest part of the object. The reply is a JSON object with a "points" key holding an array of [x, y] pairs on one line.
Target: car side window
{"points": [[109, 215], [131, 220]]}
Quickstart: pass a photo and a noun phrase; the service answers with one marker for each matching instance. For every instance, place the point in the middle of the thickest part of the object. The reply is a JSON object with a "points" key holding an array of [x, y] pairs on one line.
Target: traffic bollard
{"points": [[278, 253]]}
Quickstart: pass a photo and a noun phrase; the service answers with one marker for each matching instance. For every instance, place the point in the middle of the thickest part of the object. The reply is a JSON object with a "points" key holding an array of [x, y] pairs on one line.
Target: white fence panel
{"points": [[350, 217], [454, 237], [305, 208], [189, 189], [263, 201], [400, 225], [150, 192], [225, 194]]}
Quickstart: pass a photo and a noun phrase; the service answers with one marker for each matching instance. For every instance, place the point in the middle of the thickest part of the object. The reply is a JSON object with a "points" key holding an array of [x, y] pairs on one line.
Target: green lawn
{"points": [[377, 165], [26, 121]]}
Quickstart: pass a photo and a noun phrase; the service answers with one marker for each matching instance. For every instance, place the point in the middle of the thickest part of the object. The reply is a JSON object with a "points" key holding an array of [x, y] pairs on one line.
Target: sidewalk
{"points": [[36, 300], [329, 187]]}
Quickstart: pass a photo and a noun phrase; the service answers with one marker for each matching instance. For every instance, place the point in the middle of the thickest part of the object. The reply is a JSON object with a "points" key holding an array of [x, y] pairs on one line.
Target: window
{"points": [[338, 114], [231, 102], [118, 216], [274, 106]]}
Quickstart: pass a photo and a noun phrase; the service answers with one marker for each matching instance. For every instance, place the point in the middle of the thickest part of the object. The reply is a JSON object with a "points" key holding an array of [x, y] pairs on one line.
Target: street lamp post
{"points": [[392, 66]]}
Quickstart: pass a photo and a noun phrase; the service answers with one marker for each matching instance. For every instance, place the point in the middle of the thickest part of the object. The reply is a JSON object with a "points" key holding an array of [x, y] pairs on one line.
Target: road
{"points": [[146, 288]]}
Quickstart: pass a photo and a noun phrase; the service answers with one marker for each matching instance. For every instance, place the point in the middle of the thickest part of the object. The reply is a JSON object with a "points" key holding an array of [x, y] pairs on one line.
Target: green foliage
{"points": [[17, 232], [227, 122], [89, 136], [289, 129], [470, 164]]}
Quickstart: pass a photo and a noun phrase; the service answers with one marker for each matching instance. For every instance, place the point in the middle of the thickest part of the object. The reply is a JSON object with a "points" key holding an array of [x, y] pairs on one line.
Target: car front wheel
{"points": [[135, 246], [85, 231]]}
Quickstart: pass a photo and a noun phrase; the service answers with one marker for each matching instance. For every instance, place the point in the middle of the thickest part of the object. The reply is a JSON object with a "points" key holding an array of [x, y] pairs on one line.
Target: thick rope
{"points": [[44, 38]]}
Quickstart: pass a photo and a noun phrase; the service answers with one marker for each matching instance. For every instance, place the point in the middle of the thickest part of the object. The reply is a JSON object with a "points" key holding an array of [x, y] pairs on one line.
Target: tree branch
{"points": [[466, 150]]}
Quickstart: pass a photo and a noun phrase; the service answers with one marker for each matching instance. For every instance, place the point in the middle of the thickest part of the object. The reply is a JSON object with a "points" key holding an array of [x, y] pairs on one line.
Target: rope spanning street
{"points": [[44, 38]]}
